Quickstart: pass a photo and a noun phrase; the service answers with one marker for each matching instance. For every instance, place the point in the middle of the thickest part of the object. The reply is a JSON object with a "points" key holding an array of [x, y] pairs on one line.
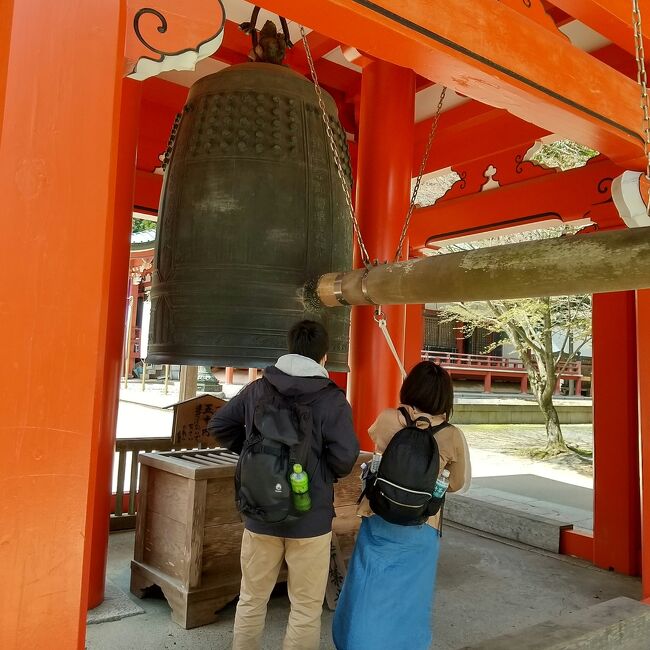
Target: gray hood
{"points": [[298, 366], [295, 375]]}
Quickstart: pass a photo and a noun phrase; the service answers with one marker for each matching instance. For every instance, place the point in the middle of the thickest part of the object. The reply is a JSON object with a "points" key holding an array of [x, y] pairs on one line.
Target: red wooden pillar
{"points": [[230, 375], [460, 338], [118, 258], [383, 189], [643, 349], [523, 384], [252, 374], [578, 387], [413, 335], [133, 309], [487, 382], [58, 168], [340, 379], [616, 462]]}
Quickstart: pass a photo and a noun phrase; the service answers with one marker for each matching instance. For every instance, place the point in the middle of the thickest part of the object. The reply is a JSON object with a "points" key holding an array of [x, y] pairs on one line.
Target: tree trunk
{"points": [[543, 385], [554, 439]]}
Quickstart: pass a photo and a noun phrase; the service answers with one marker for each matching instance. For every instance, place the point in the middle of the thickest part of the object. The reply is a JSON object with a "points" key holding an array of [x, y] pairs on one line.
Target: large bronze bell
{"points": [[252, 212]]}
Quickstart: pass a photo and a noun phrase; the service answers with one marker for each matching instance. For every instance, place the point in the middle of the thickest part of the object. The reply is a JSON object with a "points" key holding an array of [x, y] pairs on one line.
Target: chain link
{"points": [[423, 164], [642, 80], [365, 257]]}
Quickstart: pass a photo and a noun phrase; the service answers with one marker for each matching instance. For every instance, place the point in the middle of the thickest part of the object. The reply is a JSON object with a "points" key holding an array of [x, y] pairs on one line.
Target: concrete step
{"points": [[522, 412], [508, 523], [618, 624]]}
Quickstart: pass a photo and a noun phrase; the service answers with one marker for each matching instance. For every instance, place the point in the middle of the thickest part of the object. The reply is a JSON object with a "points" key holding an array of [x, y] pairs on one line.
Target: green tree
{"points": [[531, 326], [563, 154], [141, 225]]}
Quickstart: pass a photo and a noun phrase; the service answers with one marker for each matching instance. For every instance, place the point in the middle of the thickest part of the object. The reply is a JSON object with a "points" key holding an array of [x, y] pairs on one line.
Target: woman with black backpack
{"points": [[387, 597]]}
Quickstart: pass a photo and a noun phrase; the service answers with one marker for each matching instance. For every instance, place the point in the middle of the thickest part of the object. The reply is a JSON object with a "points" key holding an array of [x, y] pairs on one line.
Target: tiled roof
{"points": [[143, 237]]}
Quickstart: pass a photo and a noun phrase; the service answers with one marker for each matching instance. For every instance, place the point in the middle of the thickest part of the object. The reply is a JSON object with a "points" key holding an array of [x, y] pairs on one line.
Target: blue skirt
{"points": [[387, 597]]}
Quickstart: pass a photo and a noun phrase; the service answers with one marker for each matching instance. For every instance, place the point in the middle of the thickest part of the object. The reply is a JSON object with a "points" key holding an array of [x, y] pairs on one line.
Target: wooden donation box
{"points": [[188, 532]]}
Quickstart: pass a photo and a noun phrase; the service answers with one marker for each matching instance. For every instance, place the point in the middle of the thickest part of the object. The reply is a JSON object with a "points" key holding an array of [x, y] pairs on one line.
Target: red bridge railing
{"points": [[456, 361]]}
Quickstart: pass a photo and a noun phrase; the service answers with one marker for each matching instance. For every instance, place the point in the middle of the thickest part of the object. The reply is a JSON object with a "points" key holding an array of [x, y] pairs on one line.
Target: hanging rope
{"points": [[380, 319], [642, 80], [365, 257], [423, 164]]}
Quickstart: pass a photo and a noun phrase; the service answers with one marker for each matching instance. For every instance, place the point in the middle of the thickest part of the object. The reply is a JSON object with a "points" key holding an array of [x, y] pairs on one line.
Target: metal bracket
{"points": [[364, 288], [337, 288]]}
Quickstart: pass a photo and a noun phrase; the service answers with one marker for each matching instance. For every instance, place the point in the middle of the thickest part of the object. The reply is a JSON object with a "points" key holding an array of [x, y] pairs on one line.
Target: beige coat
{"points": [[454, 453]]}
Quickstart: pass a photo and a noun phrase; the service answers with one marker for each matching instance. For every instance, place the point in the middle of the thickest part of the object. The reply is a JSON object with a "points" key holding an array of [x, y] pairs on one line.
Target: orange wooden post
{"points": [[383, 188], [616, 461], [58, 165], [6, 13], [413, 335], [229, 375], [252, 374], [118, 258], [643, 350]]}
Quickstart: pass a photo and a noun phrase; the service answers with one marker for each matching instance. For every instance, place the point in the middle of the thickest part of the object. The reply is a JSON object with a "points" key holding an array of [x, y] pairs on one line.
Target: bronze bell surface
{"points": [[252, 212]]}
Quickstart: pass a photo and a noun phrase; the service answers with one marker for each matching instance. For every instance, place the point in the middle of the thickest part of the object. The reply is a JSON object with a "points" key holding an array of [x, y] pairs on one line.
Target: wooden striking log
{"points": [[595, 263]]}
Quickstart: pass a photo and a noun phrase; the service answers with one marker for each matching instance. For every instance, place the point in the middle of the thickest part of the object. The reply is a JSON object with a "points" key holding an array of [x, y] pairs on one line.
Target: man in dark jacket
{"points": [[304, 542]]}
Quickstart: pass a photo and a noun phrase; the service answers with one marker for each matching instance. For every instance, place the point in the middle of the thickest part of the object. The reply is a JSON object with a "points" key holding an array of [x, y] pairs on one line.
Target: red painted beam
{"points": [[473, 131], [319, 46], [494, 55], [235, 45], [161, 101], [146, 197], [566, 195], [611, 18], [617, 58], [558, 16], [489, 131]]}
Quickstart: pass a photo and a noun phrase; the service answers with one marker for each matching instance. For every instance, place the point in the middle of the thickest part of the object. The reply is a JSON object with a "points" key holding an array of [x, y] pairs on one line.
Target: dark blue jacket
{"points": [[334, 444]]}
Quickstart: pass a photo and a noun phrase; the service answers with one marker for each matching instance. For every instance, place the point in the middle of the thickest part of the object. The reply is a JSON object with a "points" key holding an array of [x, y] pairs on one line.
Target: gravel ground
{"points": [[519, 439]]}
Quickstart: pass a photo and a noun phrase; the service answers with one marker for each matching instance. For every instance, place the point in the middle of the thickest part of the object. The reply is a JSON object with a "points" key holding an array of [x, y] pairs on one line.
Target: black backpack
{"points": [[280, 437], [401, 491]]}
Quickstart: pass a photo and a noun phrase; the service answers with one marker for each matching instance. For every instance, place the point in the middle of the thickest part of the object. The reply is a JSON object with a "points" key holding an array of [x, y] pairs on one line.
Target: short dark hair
{"points": [[308, 338], [428, 388]]}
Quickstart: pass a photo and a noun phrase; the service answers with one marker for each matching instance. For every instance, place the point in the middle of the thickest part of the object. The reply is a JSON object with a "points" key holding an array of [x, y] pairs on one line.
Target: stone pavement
{"points": [[486, 588]]}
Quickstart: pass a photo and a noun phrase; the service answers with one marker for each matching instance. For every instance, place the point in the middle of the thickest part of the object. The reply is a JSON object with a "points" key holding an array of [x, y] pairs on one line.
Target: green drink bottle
{"points": [[300, 489]]}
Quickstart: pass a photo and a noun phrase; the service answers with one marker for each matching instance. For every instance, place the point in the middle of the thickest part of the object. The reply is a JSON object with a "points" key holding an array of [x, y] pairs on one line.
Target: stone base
{"points": [[618, 624], [533, 530]]}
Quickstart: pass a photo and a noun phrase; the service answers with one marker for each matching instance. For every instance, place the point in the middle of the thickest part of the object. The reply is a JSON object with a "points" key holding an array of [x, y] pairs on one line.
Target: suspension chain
{"points": [[416, 187], [643, 81], [365, 257]]}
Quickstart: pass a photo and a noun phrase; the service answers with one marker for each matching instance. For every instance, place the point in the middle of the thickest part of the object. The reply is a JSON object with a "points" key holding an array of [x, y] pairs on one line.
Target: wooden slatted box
{"points": [[188, 531]]}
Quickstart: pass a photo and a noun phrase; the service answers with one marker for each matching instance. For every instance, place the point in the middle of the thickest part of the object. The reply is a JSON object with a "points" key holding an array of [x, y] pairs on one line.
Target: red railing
{"points": [[454, 360]]}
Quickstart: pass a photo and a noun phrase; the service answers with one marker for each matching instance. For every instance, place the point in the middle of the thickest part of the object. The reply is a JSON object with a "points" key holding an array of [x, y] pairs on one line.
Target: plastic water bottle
{"points": [[300, 489], [441, 485], [375, 462]]}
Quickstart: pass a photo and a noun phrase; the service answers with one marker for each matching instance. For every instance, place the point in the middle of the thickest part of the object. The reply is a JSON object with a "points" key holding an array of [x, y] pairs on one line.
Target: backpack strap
{"points": [[410, 422], [302, 420], [406, 416]]}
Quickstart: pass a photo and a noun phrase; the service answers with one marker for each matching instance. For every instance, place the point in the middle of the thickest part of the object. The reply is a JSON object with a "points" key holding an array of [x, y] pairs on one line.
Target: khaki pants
{"points": [[308, 562]]}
